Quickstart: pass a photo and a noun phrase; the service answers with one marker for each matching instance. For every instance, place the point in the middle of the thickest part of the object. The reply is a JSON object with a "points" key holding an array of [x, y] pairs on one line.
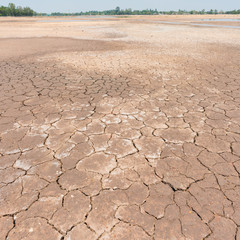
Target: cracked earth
{"points": [[128, 131]]}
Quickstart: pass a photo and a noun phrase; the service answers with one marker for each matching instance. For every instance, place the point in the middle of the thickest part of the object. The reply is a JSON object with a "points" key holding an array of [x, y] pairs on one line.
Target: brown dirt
{"points": [[119, 129]]}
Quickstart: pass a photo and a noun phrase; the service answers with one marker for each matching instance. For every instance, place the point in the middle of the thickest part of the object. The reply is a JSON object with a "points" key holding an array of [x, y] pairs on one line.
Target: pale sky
{"points": [[49, 6]]}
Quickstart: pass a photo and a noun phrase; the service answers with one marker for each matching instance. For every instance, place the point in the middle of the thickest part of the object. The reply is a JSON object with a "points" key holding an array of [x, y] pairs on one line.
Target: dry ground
{"points": [[119, 128]]}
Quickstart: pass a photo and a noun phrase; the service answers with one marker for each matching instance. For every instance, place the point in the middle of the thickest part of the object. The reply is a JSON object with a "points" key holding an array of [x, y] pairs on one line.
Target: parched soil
{"points": [[119, 129]]}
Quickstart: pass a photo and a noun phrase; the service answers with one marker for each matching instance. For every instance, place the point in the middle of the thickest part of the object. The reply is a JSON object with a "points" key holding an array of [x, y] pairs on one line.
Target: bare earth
{"points": [[119, 129]]}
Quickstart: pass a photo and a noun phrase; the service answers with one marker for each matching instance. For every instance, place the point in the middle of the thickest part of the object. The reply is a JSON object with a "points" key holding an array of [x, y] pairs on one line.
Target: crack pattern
{"points": [[97, 146]]}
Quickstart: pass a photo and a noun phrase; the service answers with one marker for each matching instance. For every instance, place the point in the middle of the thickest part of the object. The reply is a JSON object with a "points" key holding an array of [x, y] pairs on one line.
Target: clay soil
{"points": [[119, 128]]}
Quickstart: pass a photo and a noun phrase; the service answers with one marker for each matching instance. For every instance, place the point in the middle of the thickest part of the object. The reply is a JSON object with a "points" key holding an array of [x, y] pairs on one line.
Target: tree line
{"points": [[12, 10], [129, 11]]}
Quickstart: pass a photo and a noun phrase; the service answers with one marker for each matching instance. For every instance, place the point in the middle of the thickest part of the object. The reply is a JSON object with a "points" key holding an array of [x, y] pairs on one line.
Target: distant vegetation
{"points": [[12, 10], [129, 11]]}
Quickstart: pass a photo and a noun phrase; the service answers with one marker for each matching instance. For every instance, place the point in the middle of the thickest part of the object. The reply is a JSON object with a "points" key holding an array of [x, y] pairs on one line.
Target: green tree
{"points": [[12, 9], [117, 10]]}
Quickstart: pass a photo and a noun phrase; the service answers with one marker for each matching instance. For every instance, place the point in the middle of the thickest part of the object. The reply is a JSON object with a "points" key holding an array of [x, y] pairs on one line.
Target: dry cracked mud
{"points": [[124, 130]]}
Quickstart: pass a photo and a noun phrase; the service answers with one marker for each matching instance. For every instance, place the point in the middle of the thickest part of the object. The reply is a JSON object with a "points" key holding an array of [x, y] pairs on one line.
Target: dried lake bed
{"points": [[120, 128]]}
